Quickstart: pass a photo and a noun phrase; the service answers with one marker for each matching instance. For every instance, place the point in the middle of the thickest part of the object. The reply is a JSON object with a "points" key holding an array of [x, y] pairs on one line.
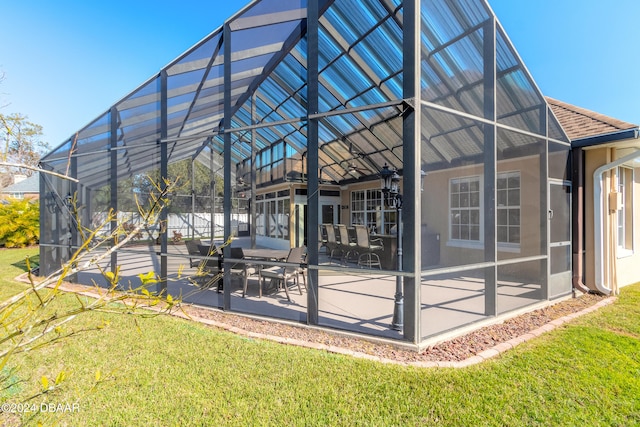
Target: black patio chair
{"points": [[209, 266], [286, 273], [242, 269], [192, 249], [322, 238]]}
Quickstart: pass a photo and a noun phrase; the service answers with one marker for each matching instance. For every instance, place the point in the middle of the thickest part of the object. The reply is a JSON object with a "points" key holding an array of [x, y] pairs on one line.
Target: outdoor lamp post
{"points": [[50, 202], [390, 182]]}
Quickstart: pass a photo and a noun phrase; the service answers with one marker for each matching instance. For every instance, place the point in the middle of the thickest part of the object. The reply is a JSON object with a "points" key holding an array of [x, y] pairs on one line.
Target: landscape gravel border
{"points": [[459, 352], [467, 350]]}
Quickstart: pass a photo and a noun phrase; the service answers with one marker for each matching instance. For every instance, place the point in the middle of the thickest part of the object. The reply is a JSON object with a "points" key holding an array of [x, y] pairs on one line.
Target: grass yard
{"points": [[171, 372]]}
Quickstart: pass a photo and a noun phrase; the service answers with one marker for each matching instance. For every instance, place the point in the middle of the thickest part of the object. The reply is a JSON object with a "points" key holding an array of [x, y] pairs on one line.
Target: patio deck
{"points": [[355, 300]]}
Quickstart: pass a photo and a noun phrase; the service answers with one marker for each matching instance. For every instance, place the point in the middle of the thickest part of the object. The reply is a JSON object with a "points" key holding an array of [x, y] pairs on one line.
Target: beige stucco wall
{"points": [[594, 158], [626, 268], [435, 213]]}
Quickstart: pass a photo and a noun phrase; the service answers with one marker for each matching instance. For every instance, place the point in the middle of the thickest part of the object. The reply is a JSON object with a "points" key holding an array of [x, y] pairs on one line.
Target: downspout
{"points": [[578, 223], [598, 226]]}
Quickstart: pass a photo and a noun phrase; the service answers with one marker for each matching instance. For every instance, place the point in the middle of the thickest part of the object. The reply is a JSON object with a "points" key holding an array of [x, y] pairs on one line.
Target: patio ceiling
{"points": [[360, 74]]}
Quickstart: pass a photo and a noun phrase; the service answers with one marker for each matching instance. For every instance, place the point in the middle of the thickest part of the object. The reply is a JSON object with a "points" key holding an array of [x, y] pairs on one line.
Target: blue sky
{"points": [[66, 62]]}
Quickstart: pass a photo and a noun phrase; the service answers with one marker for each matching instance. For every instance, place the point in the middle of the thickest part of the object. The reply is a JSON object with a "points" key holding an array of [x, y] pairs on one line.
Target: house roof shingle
{"points": [[29, 185], [580, 123]]}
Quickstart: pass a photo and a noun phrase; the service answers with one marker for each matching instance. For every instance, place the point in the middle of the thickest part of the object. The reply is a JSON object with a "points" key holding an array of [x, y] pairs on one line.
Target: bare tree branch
{"points": [[35, 168], [25, 318]]}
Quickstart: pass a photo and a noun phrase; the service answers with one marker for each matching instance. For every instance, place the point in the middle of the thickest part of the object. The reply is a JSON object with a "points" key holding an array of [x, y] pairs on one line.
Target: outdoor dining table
{"points": [[266, 254]]}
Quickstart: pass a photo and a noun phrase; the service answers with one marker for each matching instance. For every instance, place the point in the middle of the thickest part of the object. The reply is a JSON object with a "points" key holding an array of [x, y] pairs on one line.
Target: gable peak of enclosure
{"points": [[282, 120]]}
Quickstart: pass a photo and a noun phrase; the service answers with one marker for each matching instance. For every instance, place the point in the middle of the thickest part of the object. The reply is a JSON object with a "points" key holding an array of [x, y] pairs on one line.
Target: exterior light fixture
{"points": [[390, 183], [50, 202], [385, 179]]}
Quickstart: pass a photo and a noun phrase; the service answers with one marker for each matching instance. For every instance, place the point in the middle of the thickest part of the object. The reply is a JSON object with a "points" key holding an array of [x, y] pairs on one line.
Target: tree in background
{"points": [[139, 186], [20, 143]]}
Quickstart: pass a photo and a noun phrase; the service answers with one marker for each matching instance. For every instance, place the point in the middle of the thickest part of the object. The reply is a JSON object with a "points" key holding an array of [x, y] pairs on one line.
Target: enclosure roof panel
{"points": [[360, 74]]}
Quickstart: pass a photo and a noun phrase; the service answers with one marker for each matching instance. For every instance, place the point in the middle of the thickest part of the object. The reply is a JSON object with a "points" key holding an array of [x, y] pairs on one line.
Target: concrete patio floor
{"points": [[349, 299]]}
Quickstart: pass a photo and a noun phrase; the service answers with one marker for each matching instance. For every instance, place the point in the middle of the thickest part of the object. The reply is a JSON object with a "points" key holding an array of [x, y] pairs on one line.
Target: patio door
{"points": [[559, 238], [329, 213]]}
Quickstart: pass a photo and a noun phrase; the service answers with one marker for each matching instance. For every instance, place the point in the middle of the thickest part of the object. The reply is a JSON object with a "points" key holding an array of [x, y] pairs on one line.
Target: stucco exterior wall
{"points": [[594, 158], [626, 265], [435, 214]]}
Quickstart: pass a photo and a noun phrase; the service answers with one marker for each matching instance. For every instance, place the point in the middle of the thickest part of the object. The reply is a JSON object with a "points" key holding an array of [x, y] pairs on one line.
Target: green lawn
{"points": [[172, 372]]}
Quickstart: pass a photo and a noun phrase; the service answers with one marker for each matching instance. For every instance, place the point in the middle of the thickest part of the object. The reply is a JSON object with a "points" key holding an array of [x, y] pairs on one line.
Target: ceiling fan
{"points": [[353, 171]]}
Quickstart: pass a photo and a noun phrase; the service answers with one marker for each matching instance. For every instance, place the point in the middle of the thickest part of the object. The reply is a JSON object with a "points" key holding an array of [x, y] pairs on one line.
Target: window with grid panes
{"points": [[358, 207], [464, 208], [273, 213], [625, 210], [508, 207], [368, 208]]}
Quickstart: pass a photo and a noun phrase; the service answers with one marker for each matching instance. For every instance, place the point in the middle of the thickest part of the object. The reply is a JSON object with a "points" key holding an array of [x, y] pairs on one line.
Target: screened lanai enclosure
{"points": [[277, 129]]}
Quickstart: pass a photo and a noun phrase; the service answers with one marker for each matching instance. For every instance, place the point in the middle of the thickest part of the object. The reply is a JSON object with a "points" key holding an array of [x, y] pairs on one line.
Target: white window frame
{"points": [[368, 207], [280, 217], [466, 242], [479, 244], [624, 221], [509, 207]]}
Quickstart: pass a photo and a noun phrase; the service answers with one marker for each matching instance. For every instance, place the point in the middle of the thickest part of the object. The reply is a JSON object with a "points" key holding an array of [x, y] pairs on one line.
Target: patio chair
{"points": [[242, 269], [322, 238], [302, 269], [347, 247], [210, 264], [213, 261], [332, 241], [192, 249], [284, 274], [367, 248]]}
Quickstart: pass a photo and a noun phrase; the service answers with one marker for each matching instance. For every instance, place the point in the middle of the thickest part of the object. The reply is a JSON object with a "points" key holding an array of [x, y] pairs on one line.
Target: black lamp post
{"points": [[390, 182]]}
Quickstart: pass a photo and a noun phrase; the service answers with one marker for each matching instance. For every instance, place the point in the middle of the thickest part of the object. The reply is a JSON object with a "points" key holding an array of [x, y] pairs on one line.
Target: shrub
{"points": [[19, 223]]}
